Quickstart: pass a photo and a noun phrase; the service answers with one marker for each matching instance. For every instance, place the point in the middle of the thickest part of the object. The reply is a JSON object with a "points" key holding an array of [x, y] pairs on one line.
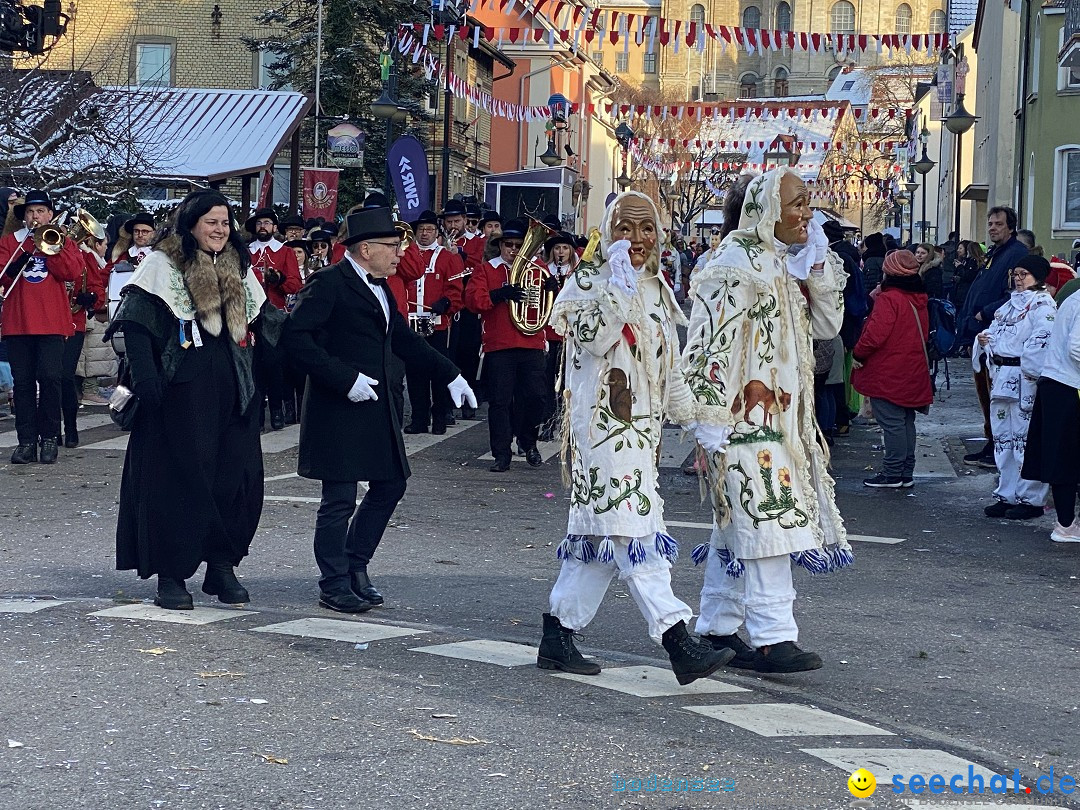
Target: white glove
{"points": [[622, 272], [363, 389], [460, 393], [714, 438], [818, 243]]}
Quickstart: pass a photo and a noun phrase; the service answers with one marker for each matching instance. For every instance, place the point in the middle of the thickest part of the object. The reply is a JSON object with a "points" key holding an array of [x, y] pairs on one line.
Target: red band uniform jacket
{"points": [[274, 254], [499, 330], [441, 278], [38, 301]]}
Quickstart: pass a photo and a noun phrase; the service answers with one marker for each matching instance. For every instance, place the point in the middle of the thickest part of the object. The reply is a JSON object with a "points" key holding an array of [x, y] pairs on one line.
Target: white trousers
{"points": [[763, 596], [1009, 424], [581, 586]]}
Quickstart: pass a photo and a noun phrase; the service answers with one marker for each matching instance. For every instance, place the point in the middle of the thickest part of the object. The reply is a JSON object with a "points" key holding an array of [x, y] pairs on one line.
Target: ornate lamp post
{"points": [[911, 187], [923, 166], [625, 136], [958, 122]]}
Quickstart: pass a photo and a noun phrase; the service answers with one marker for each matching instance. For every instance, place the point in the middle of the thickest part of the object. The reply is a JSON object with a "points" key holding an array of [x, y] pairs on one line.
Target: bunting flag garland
{"points": [[461, 88], [749, 110], [621, 27], [750, 145]]}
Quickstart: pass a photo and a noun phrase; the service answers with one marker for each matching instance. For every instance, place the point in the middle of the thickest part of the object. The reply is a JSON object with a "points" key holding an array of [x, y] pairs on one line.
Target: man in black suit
{"points": [[342, 333]]}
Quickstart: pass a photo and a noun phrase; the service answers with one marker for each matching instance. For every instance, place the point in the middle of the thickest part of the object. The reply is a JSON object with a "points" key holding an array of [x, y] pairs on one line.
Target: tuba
{"points": [[532, 313], [85, 227]]}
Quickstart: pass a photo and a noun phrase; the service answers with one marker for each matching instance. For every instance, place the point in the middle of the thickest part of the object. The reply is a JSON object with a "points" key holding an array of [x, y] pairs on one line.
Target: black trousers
{"points": [[70, 385], [430, 400], [343, 545], [513, 377], [37, 363], [465, 337], [270, 368], [552, 398]]}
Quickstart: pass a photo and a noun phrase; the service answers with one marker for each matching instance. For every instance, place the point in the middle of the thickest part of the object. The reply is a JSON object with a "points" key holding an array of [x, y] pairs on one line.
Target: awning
{"points": [[823, 215], [978, 192], [197, 134]]}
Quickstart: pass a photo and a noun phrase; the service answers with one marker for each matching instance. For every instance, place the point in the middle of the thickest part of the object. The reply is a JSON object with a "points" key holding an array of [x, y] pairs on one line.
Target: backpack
{"points": [[942, 317]]}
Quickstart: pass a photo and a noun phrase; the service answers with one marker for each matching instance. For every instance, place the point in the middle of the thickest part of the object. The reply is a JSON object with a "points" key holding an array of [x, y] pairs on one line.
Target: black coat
{"points": [[336, 331]]}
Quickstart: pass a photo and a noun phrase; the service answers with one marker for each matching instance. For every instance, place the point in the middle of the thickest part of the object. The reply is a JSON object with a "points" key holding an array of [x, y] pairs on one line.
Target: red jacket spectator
{"points": [[499, 331], [892, 347], [38, 301], [285, 276]]}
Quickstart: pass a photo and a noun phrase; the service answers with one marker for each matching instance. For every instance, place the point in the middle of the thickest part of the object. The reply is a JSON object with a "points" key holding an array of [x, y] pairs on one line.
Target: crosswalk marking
{"points": [[787, 720], [200, 615], [647, 682], [866, 538], [686, 524], [292, 498], [338, 630], [28, 605], [485, 651], [884, 763]]}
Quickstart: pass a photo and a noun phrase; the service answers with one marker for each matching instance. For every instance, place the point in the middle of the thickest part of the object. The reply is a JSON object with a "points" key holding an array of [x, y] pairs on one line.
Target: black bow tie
{"points": [[375, 282]]}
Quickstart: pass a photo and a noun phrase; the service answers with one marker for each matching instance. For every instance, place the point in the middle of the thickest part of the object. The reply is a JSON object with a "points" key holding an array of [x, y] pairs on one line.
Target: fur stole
{"points": [[207, 288]]}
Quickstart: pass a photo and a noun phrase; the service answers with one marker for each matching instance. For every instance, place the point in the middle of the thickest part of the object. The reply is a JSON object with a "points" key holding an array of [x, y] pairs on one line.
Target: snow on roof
{"points": [[856, 86], [193, 133], [961, 13]]}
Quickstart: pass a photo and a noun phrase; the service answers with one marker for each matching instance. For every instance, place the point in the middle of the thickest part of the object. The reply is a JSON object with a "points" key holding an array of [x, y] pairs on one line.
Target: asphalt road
{"points": [[953, 648]]}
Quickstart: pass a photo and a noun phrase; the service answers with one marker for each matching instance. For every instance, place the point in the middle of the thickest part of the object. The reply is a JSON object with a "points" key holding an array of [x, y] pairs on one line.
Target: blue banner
{"points": [[407, 162]]}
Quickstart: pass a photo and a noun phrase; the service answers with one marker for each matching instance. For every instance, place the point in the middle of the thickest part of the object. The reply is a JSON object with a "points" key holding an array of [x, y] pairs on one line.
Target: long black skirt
{"points": [[192, 487], [1053, 444]]}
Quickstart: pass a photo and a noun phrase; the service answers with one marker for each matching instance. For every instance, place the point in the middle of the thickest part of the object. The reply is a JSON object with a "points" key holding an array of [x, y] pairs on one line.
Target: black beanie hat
{"points": [[1038, 266]]}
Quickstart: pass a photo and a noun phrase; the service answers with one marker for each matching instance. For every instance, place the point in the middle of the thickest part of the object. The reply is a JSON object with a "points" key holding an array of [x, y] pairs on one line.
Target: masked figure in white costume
{"points": [[772, 286], [618, 320]]}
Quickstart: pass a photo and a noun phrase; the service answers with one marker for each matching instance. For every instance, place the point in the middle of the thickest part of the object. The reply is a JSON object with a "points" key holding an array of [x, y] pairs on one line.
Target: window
{"points": [[598, 57], [783, 17], [265, 76], [834, 71], [697, 14], [751, 17], [903, 19], [748, 86], [648, 63], [1068, 78], [622, 62], [937, 22], [847, 86], [282, 184], [842, 18], [154, 64], [1067, 187], [780, 82]]}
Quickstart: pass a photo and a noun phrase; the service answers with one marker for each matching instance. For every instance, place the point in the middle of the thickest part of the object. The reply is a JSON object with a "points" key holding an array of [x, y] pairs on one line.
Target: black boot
{"points": [[48, 451], [277, 419], [71, 438], [557, 650], [785, 657], [690, 658], [221, 582], [172, 594], [362, 587], [290, 413], [744, 653], [24, 454]]}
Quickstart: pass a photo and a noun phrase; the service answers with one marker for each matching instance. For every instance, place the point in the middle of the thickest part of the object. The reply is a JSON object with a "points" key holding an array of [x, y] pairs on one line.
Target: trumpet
{"points": [[405, 230], [49, 239]]}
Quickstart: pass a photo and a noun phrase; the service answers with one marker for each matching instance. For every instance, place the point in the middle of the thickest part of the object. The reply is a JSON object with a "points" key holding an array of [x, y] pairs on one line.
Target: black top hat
{"points": [[370, 223], [490, 216], [426, 218], [515, 229], [561, 238], [376, 199], [141, 218], [454, 208], [33, 197], [472, 210], [291, 221], [260, 213]]}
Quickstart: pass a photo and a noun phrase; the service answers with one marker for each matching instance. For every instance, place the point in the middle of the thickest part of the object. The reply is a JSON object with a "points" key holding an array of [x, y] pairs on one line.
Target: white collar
{"points": [[22, 233], [497, 261], [273, 246], [432, 246], [134, 251]]}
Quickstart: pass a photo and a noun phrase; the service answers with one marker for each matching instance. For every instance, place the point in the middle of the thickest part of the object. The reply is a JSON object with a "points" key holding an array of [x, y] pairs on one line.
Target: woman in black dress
{"points": [[192, 486]]}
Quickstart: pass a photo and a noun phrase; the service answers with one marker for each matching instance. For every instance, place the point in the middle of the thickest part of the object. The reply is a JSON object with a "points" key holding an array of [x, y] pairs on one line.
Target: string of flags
{"points": [[748, 110], [751, 145]]}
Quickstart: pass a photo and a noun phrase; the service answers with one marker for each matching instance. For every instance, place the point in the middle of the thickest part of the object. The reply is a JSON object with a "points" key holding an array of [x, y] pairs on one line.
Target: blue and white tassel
{"points": [[700, 553], [667, 547], [606, 552], [636, 552]]}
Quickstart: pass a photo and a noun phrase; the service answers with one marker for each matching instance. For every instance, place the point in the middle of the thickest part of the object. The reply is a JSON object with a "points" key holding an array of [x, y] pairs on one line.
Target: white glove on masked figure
{"points": [[623, 275], [800, 264], [363, 389], [713, 438], [460, 393]]}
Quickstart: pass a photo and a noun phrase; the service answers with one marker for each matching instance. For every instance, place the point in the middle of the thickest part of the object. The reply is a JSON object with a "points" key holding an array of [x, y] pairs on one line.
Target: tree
{"points": [[355, 34]]}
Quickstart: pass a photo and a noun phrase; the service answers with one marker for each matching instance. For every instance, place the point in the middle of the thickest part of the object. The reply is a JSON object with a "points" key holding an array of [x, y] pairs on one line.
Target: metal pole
{"points": [[318, 79], [924, 222], [959, 163], [446, 122]]}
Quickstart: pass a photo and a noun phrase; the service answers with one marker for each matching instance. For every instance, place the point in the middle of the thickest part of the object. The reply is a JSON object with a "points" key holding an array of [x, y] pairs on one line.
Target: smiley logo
{"points": [[862, 783]]}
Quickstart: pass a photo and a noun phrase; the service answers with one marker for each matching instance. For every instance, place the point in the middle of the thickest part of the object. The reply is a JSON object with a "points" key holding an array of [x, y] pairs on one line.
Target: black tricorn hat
{"points": [[426, 218], [370, 223], [291, 221], [490, 216], [33, 197], [561, 238], [303, 244], [141, 218], [260, 213]]}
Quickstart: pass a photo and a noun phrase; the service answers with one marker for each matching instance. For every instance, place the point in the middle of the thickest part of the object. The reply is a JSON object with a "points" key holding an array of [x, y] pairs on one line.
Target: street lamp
{"points": [[923, 166], [551, 156], [911, 187], [958, 122], [625, 136], [623, 180]]}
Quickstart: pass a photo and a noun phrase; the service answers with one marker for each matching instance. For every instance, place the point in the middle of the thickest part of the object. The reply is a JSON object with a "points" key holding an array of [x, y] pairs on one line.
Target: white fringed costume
{"points": [[749, 362], [620, 380]]}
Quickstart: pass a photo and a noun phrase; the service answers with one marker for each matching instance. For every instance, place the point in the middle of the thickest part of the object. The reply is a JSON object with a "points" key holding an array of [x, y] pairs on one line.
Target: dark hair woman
{"points": [[967, 264], [872, 260], [192, 485]]}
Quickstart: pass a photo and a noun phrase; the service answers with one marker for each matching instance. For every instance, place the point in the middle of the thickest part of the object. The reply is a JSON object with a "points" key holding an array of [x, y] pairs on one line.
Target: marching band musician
{"points": [[35, 321], [292, 228], [560, 252], [320, 242], [131, 248], [276, 269], [514, 362], [433, 298], [85, 297], [465, 336]]}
